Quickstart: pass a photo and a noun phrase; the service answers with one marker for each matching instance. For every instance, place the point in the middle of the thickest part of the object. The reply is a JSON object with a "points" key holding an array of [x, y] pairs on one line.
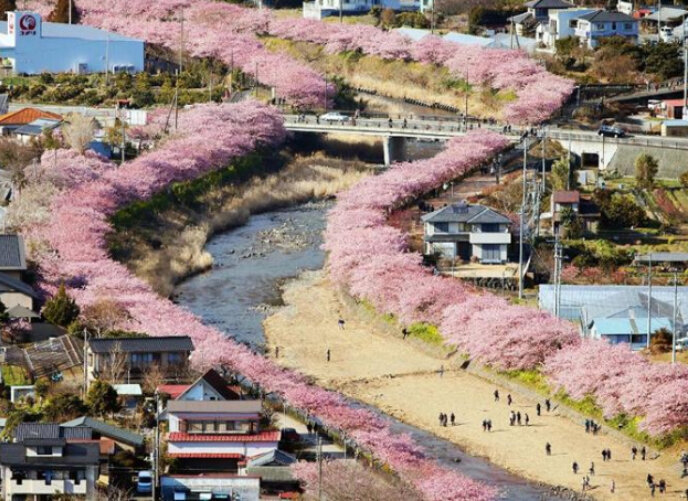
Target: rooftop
{"points": [[607, 16], [548, 4], [32, 431], [463, 212], [72, 454], [213, 379], [105, 429], [158, 344], [12, 252], [667, 14], [25, 116], [80, 31], [566, 197], [611, 326], [264, 436], [215, 406]]}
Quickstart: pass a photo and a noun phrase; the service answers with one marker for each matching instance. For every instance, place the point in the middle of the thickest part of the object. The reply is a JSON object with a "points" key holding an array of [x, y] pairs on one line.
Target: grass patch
{"points": [[427, 333], [14, 375], [532, 378]]}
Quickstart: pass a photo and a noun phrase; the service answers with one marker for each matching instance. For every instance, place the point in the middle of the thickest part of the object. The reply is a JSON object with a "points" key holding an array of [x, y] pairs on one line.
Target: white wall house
{"points": [[468, 231], [32, 46], [590, 28], [319, 9], [560, 25]]}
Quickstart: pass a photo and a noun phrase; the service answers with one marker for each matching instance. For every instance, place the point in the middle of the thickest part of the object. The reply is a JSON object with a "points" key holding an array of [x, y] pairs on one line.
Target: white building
{"points": [[468, 232], [319, 9], [560, 25], [29, 45]]}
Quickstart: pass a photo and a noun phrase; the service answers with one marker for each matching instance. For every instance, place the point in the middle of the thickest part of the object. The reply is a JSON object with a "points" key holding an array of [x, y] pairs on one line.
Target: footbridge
{"points": [[395, 131]]}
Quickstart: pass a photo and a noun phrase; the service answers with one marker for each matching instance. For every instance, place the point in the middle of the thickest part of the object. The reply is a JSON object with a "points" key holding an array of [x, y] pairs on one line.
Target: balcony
{"points": [[502, 237], [42, 487]]}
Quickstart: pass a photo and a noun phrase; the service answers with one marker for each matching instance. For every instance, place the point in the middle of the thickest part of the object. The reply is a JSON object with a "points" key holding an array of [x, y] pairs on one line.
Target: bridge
{"points": [[394, 133]]}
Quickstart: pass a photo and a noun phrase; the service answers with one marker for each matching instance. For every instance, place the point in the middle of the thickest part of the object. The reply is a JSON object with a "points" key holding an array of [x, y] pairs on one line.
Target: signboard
{"points": [[27, 25]]}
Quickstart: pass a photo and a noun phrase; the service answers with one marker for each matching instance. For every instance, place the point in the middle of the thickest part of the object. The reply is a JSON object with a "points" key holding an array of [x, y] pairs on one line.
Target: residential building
{"points": [[35, 129], [13, 291], [10, 122], [673, 108], [583, 208], [210, 386], [675, 128], [46, 460], [318, 9], [29, 45], [632, 331], [122, 439], [467, 232], [561, 24], [128, 359], [592, 27], [537, 13], [274, 471], [214, 435]]}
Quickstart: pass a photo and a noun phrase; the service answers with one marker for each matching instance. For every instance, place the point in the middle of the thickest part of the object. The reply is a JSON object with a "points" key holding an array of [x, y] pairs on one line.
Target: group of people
{"points": [[487, 425], [591, 426], [634, 452], [606, 455], [661, 485], [515, 418], [444, 419]]}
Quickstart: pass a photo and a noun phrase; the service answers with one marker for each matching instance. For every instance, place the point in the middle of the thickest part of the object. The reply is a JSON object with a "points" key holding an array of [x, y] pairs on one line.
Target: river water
{"points": [[243, 286]]}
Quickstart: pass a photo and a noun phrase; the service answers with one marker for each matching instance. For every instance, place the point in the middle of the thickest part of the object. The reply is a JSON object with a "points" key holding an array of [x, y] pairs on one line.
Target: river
{"points": [[243, 286]]}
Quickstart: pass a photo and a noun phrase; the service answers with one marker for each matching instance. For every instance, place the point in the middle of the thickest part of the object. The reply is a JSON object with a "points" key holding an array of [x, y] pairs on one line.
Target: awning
{"points": [[19, 311]]}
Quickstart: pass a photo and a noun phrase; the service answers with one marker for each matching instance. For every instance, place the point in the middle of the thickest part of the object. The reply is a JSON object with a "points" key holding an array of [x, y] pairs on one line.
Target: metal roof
{"points": [[548, 4], [663, 257], [14, 284], [12, 253], [625, 326], [466, 213], [142, 344], [607, 16], [72, 454], [37, 127], [215, 406], [105, 429], [31, 431], [667, 14], [274, 456], [80, 31], [128, 389]]}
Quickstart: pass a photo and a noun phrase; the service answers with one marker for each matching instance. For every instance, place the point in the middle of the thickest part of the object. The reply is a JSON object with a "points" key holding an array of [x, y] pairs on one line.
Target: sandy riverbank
{"points": [[385, 371]]}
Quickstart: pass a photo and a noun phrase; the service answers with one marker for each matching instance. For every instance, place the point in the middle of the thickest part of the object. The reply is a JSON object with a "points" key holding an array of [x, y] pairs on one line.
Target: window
{"points": [[43, 450], [490, 228], [491, 253], [599, 27], [174, 358], [628, 26], [573, 23], [141, 358], [442, 227], [614, 26]]}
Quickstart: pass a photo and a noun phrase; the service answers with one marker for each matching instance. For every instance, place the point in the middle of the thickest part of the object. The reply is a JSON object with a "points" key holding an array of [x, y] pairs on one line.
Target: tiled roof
{"points": [[215, 406], [605, 16], [12, 256], [157, 344], [217, 383], [173, 390], [463, 212], [566, 197], [205, 455], [265, 436], [106, 430], [26, 116], [548, 4], [32, 431]]}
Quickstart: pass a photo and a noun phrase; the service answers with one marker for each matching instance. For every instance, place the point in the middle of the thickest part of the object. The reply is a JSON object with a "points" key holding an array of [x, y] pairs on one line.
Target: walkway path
{"points": [[373, 366]]}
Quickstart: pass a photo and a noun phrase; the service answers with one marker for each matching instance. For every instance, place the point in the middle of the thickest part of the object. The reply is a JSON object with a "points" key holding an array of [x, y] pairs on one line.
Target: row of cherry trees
{"points": [[370, 258], [70, 234], [230, 33]]}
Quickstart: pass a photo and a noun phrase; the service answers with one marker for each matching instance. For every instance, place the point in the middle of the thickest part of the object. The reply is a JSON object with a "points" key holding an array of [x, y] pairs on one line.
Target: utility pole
{"points": [[685, 70], [673, 334], [558, 258], [70, 11], [325, 92], [649, 299], [432, 18], [124, 135], [156, 446], [544, 161], [341, 13], [85, 386], [466, 102], [107, 59], [181, 42], [320, 461], [523, 208]]}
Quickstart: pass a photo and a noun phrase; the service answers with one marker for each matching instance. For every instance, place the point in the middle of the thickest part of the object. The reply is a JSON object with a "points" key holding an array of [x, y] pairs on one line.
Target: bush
{"points": [[63, 407], [646, 168], [661, 341], [102, 399], [618, 210], [427, 333], [61, 309]]}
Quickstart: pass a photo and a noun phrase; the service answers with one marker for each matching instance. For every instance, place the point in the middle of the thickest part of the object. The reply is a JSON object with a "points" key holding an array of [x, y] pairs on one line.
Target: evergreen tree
{"points": [[102, 399], [61, 309]]}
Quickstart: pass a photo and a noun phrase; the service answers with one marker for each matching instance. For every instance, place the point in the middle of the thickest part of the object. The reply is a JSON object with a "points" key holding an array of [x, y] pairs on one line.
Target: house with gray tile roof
{"points": [[124, 438], [467, 232], [594, 26], [14, 292]]}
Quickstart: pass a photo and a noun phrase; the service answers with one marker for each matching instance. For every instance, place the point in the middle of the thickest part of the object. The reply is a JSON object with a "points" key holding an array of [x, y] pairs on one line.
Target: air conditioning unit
{"points": [[81, 68]]}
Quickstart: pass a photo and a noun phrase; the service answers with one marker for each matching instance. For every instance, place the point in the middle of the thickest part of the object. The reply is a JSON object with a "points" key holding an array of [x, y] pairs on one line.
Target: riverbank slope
{"points": [[387, 372]]}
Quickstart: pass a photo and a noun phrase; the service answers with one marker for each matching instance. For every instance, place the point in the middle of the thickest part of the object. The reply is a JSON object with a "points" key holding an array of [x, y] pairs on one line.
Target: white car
{"points": [[334, 116], [144, 482], [682, 344]]}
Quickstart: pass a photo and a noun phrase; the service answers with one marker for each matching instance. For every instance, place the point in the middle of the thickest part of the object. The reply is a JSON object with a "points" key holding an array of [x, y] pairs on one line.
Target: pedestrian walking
{"points": [[538, 408], [309, 427], [496, 395], [527, 419], [548, 449], [662, 486], [328, 354], [684, 473], [404, 332], [612, 487], [453, 419], [634, 452], [518, 418], [587, 425], [489, 425], [686, 493], [650, 480], [441, 370], [584, 483], [609, 454], [652, 490], [390, 123], [512, 418], [574, 467], [643, 452], [341, 322], [548, 404], [509, 399], [441, 418], [592, 468], [484, 424], [604, 455], [276, 351]]}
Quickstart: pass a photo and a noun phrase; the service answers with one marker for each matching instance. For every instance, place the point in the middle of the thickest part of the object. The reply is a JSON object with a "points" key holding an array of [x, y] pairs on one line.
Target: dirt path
{"points": [[389, 373]]}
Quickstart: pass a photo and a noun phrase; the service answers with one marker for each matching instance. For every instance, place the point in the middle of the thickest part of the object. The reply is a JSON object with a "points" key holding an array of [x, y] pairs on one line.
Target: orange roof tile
{"points": [[26, 116]]}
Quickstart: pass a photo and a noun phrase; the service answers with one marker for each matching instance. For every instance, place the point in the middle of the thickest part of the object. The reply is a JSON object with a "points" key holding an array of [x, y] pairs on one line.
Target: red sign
{"points": [[27, 25]]}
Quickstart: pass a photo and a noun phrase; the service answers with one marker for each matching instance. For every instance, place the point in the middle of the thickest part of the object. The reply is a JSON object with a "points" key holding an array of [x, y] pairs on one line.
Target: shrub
{"points": [[646, 168], [102, 399], [661, 341], [61, 309]]}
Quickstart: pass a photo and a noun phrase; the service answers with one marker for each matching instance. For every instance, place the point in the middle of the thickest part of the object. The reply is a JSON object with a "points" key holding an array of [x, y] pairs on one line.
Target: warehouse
{"points": [[30, 46]]}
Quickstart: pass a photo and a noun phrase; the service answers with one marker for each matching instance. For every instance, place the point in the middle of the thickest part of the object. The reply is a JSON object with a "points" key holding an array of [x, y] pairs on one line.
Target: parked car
{"points": [[334, 116], [611, 130], [290, 435], [682, 344], [144, 482]]}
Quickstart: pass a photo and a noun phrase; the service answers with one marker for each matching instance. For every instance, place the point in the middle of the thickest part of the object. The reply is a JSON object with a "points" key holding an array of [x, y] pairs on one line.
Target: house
{"points": [[274, 471], [585, 209], [626, 330], [561, 24], [538, 12], [13, 291], [210, 386], [673, 108], [10, 122], [468, 232], [122, 439], [46, 460], [318, 9], [128, 359], [130, 395], [667, 16], [214, 435], [183, 487], [675, 128], [592, 27], [35, 129], [29, 45]]}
